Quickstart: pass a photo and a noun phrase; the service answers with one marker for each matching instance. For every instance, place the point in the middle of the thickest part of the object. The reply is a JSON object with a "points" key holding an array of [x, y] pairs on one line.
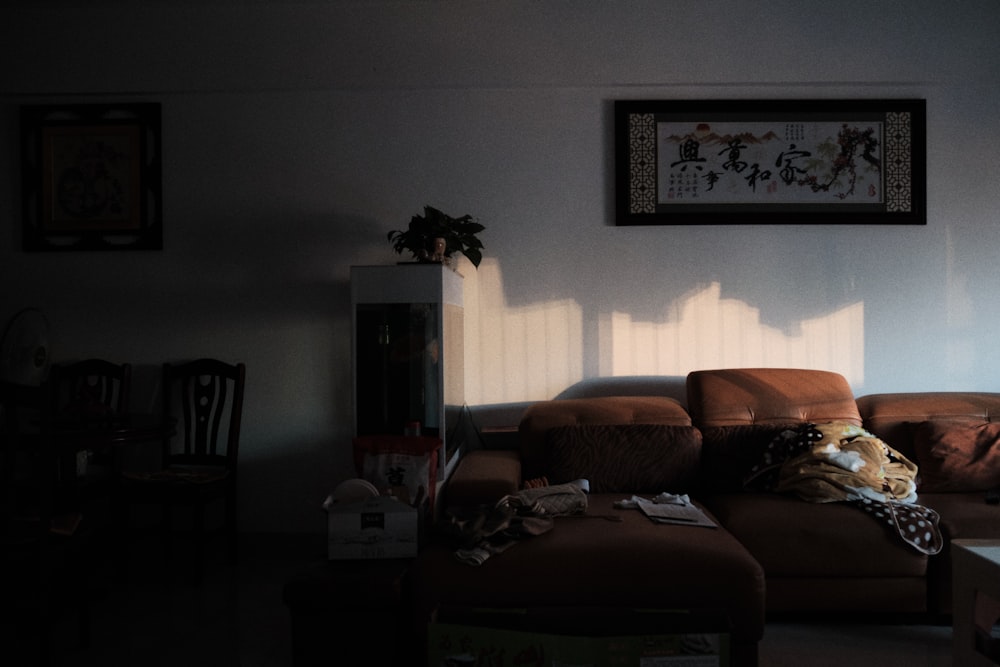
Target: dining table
{"points": [[115, 442], [107, 433]]}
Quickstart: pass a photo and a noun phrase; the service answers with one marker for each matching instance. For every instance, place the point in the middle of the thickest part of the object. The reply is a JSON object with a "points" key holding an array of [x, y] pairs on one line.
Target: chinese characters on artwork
{"points": [[762, 162]]}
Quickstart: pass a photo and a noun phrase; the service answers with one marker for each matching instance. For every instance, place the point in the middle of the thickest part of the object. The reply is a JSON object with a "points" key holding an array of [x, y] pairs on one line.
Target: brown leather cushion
{"points": [[483, 477], [540, 417], [958, 457], [590, 561], [894, 417], [794, 538], [625, 458], [729, 452], [734, 396]]}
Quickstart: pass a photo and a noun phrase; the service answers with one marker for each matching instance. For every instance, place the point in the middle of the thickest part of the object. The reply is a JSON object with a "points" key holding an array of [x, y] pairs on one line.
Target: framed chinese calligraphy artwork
{"points": [[91, 177], [770, 162]]}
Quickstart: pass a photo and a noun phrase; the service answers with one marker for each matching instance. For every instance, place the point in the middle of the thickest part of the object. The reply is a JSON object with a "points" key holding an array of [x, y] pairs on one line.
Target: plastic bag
{"points": [[400, 466]]}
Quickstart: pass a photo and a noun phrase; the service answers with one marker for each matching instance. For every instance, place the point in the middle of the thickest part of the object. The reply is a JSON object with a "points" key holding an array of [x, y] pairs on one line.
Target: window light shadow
{"points": [[536, 352]]}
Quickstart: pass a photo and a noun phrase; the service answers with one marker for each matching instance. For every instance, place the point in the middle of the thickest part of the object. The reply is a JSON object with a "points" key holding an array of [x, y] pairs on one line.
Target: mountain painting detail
{"points": [[740, 162], [745, 162]]}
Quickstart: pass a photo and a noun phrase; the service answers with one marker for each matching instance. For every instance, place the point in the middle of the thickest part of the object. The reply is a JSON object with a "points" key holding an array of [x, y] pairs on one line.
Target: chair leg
{"points": [[199, 543], [167, 535], [44, 647], [122, 537], [84, 627], [232, 536], [82, 583]]}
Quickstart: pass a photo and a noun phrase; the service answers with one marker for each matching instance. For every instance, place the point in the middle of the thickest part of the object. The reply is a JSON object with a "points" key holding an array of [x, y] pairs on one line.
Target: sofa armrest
{"points": [[483, 477]]}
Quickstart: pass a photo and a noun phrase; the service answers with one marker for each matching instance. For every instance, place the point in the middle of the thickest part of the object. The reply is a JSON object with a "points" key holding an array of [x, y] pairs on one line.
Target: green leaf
{"points": [[474, 256]]}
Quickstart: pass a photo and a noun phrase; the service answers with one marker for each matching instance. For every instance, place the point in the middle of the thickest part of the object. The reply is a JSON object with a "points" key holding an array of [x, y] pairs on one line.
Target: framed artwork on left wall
{"points": [[91, 177]]}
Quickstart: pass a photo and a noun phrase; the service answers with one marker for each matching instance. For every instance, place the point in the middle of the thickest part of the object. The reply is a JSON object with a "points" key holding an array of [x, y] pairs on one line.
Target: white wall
{"points": [[297, 134]]}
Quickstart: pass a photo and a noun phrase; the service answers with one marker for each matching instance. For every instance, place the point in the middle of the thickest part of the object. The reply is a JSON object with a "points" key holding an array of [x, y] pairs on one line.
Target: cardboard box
{"points": [[379, 527]]}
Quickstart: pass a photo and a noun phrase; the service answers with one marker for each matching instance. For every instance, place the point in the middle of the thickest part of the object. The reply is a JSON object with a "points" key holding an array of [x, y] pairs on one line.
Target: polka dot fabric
{"points": [[785, 446], [915, 524]]}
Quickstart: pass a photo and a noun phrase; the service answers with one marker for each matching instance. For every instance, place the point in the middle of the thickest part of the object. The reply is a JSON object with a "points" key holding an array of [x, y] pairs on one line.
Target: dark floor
{"points": [[237, 618], [842, 645]]}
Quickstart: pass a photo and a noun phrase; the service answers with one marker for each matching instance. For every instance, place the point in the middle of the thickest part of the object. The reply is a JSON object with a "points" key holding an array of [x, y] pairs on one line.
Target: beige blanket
{"points": [[848, 463], [841, 462]]}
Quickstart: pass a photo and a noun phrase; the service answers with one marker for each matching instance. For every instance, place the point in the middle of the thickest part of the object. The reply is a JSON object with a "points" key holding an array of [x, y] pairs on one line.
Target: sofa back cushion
{"points": [[729, 454], [894, 417], [958, 456], [625, 458], [740, 396], [539, 418], [741, 410]]}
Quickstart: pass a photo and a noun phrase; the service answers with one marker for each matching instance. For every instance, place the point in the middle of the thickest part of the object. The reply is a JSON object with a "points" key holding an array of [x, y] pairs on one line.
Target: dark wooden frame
{"points": [[663, 177], [91, 177]]}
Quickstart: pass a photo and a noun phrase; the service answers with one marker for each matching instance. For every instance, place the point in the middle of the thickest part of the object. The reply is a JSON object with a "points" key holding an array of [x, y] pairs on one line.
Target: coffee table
{"points": [[976, 601]]}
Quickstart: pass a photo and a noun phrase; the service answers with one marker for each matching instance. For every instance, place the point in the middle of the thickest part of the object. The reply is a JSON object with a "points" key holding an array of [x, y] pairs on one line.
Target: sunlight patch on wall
{"points": [[534, 352], [703, 330], [517, 353]]}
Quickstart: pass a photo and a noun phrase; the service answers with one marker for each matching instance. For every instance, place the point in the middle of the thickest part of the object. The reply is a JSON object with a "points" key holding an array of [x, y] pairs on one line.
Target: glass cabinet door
{"points": [[398, 368]]}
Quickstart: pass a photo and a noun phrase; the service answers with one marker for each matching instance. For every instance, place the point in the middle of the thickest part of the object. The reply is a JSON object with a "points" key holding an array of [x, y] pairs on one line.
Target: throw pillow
{"points": [[958, 456], [625, 458]]}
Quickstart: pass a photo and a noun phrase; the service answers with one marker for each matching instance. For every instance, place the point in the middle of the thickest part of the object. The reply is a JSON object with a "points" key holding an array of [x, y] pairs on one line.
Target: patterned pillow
{"points": [[625, 458], [957, 456]]}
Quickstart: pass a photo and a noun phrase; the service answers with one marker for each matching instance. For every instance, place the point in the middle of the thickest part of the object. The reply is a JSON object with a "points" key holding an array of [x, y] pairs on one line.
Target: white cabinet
{"points": [[408, 359]]}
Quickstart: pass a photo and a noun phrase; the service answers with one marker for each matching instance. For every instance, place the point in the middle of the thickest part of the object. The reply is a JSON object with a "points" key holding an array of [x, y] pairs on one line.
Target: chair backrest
{"points": [[206, 398], [91, 389]]}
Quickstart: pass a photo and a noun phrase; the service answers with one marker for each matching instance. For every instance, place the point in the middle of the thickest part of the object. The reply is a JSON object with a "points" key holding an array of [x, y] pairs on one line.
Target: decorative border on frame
{"points": [[642, 163], [91, 177], [770, 162], [899, 162]]}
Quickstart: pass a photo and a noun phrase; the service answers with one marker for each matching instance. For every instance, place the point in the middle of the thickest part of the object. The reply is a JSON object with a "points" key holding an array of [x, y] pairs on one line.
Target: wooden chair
{"points": [[92, 389], [44, 544], [199, 463], [91, 392]]}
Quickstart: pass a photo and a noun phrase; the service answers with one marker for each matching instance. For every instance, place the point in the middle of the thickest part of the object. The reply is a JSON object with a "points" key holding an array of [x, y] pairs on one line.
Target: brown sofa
{"points": [[771, 553]]}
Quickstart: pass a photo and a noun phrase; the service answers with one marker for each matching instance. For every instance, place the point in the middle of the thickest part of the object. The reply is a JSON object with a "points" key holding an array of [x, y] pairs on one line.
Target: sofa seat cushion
{"points": [[964, 515], [625, 458], [595, 562], [795, 538]]}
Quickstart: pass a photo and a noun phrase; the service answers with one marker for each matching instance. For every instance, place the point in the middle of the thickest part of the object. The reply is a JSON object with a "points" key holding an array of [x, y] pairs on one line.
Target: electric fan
{"points": [[24, 349]]}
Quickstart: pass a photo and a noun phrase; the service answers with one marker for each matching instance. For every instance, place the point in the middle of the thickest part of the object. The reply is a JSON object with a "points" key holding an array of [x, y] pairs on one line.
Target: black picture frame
{"points": [[91, 177], [688, 162]]}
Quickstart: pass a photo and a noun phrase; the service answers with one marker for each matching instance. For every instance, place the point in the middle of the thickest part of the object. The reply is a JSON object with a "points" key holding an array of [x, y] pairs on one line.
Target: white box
{"points": [[379, 527]]}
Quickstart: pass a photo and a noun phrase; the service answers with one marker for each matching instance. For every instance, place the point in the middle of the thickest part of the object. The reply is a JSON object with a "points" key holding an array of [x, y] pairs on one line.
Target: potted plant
{"points": [[435, 236]]}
